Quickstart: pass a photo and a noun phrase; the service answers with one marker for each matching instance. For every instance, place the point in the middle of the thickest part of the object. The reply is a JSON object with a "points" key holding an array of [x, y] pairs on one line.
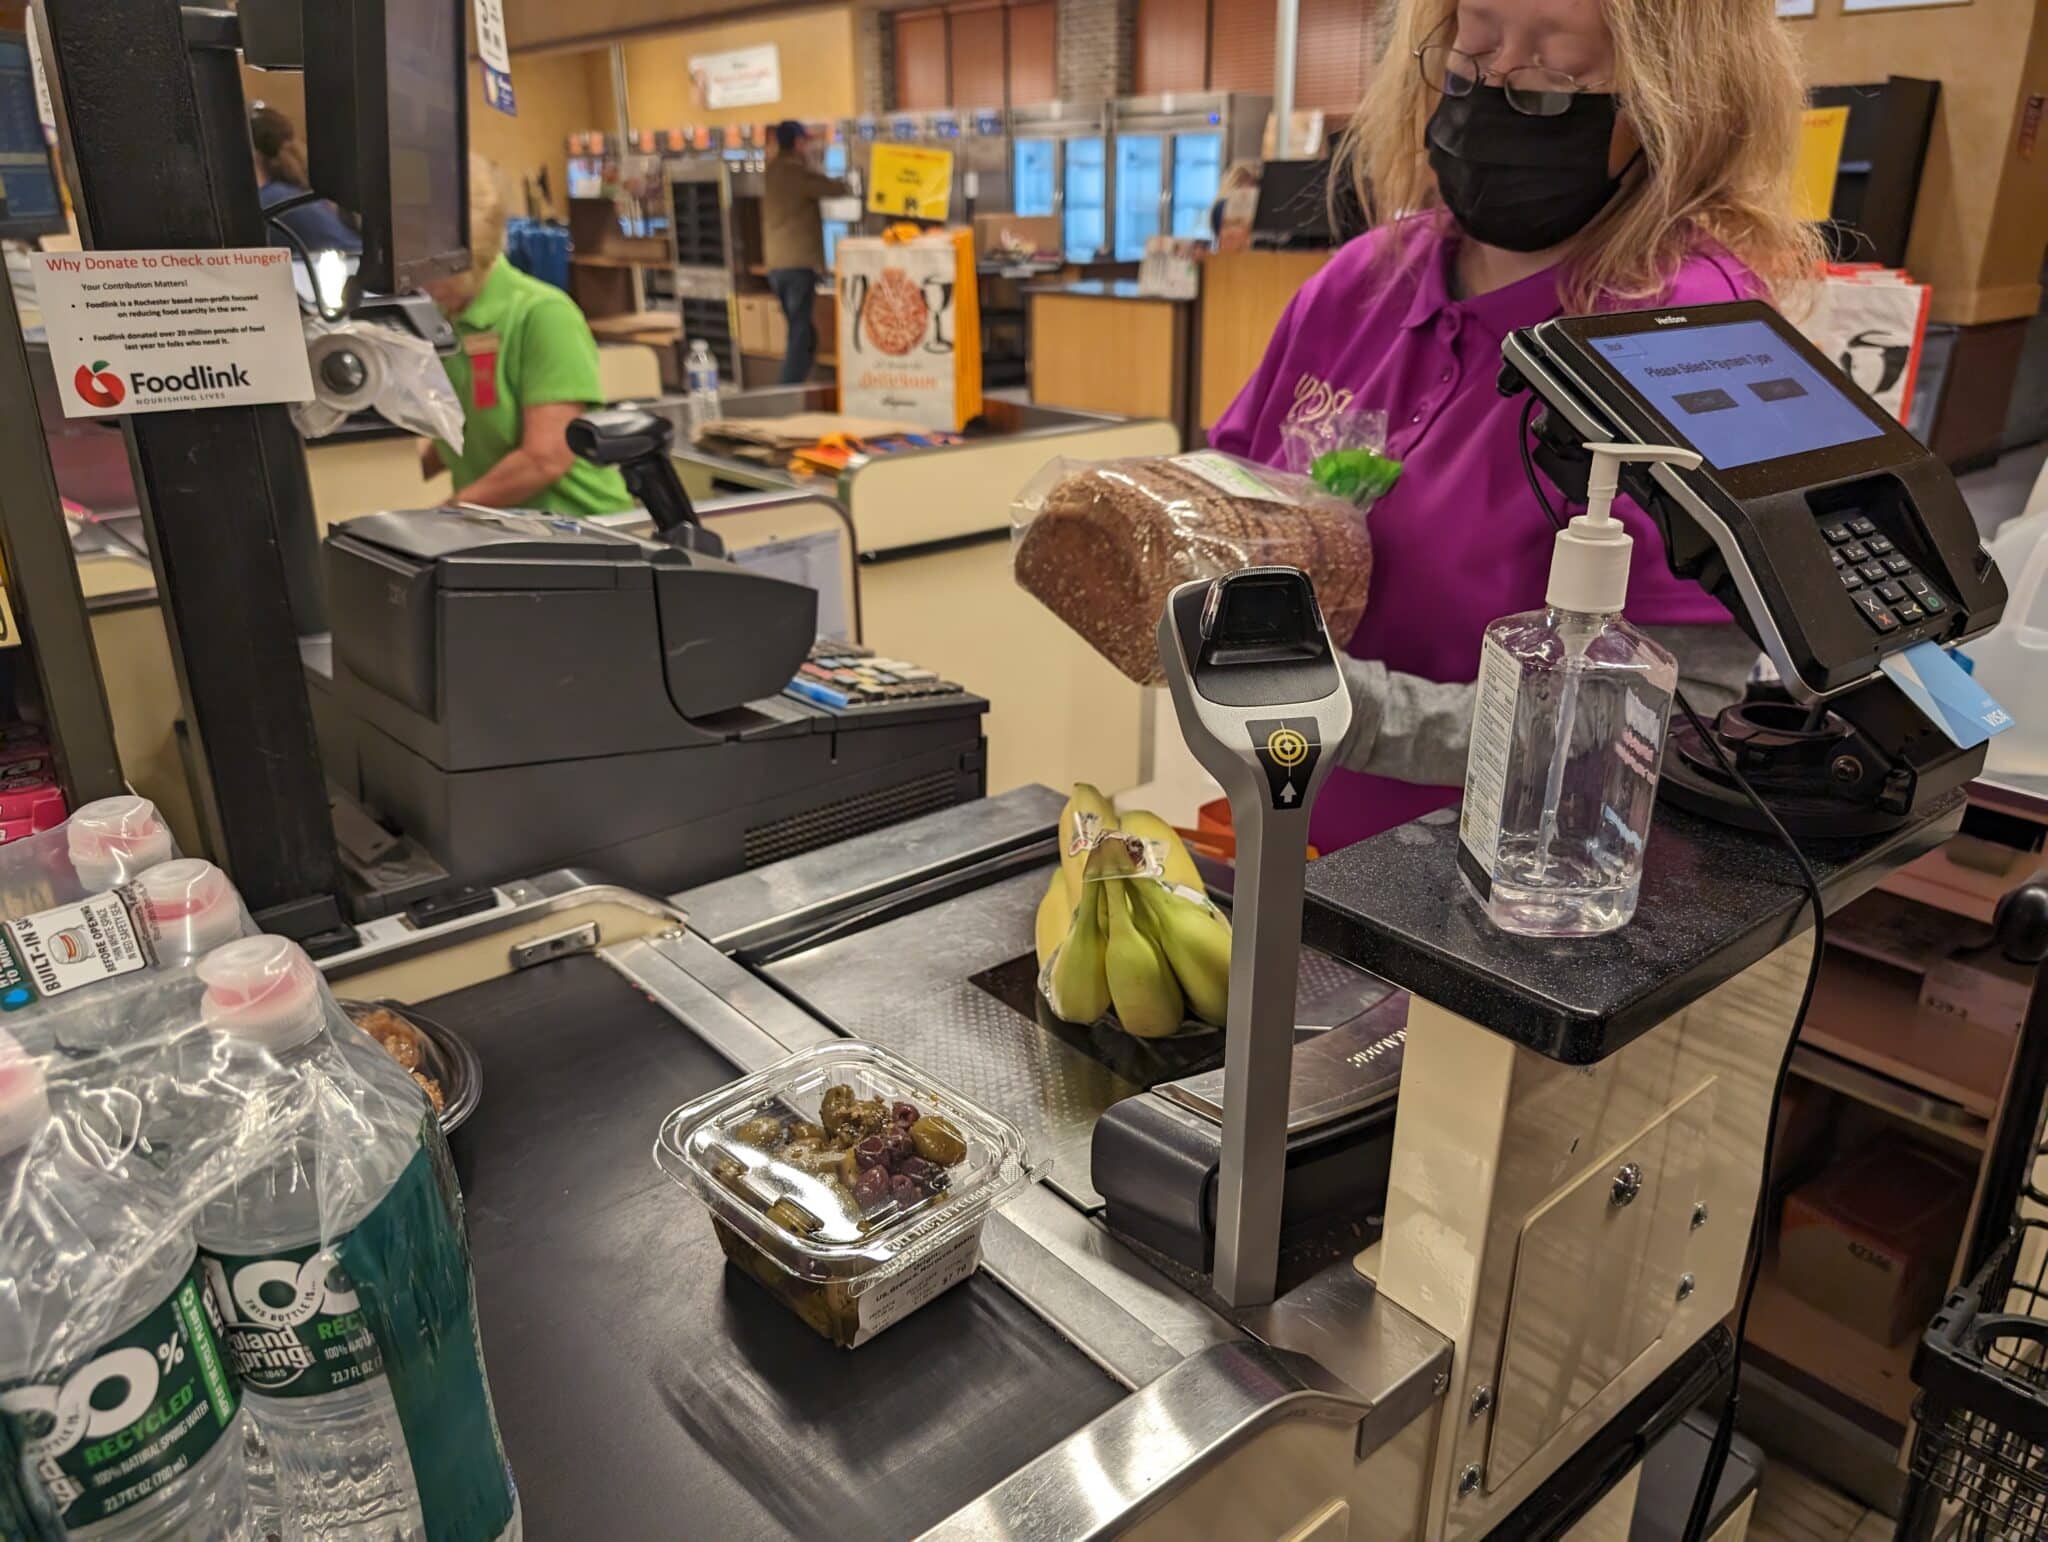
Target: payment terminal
{"points": [[1831, 534]]}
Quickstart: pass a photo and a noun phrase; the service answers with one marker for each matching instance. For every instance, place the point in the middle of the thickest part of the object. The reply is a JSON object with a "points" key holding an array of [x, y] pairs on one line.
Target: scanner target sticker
{"points": [[1288, 748]]}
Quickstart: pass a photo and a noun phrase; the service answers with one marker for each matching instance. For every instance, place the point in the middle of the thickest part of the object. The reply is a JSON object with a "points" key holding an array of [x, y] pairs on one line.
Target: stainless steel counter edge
{"points": [[753, 907], [392, 939], [1108, 1475]]}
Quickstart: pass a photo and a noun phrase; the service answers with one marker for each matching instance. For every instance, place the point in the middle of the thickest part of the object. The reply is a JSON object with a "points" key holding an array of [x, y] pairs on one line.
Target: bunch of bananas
{"points": [[1110, 935]]}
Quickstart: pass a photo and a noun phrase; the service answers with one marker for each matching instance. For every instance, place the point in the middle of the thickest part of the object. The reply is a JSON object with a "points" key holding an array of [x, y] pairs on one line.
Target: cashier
{"points": [[526, 368], [1531, 158]]}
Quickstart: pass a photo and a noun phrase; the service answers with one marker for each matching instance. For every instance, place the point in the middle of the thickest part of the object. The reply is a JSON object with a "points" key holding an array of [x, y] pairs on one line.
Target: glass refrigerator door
{"points": [[1140, 173], [1087, 200], [1034, 177], [1197, 183]]}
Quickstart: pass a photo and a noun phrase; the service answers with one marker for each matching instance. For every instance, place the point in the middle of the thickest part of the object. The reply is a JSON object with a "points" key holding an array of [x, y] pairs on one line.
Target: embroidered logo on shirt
{"points": [[1315, 400]]}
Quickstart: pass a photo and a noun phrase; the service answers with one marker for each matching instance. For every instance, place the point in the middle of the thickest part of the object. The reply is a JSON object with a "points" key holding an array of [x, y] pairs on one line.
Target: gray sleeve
{"points": [[1417, 730]]}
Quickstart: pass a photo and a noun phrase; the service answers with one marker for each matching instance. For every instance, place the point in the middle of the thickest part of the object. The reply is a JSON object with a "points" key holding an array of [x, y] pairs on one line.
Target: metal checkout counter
{"points": [[1446, 1249], [1310, 1299]]}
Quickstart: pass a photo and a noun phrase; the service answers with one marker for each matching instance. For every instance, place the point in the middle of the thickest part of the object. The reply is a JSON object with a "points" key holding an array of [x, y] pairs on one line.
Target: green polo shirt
{"points": [[538, 349]]}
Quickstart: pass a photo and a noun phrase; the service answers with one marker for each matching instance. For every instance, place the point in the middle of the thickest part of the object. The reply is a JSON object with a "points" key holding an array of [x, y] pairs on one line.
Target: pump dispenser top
{"points": [[1589, 567]]}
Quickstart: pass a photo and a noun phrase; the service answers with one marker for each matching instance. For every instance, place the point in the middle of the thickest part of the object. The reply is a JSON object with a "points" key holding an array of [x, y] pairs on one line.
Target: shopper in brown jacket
{"points": [[793, 241]]}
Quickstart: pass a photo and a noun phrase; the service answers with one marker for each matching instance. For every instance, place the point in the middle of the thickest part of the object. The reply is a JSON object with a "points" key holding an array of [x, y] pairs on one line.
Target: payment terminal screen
{"points": [[1737, 393]]}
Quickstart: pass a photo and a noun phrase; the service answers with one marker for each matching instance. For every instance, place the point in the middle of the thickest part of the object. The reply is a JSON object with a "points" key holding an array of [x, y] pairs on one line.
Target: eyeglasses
{"points": [[1533, 89]]}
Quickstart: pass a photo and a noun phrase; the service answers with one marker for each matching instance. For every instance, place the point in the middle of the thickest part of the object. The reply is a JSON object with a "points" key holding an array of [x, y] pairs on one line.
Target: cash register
{"points": [[511, 692]]}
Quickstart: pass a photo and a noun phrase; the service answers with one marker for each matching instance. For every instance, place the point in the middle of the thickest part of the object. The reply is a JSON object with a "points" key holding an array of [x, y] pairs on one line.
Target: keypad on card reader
{"points": [[1884, 585]]}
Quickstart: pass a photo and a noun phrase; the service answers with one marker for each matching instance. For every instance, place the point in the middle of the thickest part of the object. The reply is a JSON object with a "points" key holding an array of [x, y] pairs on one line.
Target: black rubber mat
{"points": [[646, 1389]]}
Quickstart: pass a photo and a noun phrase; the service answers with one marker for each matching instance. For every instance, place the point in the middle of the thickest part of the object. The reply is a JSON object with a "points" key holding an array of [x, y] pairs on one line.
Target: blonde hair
{"points": [[1712, 89], [486, 216]]}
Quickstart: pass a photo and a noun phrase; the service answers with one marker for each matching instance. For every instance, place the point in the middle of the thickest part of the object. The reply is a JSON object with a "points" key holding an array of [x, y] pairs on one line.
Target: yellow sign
{"points": [[911, 181], [1820, 158]]}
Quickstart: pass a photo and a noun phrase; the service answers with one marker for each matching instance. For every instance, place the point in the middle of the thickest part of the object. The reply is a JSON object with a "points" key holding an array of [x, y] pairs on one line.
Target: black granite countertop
{"points": [[1715, 899]]}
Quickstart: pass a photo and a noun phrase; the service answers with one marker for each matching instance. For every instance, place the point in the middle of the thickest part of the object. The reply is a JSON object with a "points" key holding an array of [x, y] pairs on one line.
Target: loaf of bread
{"points": [[1107, 542]]}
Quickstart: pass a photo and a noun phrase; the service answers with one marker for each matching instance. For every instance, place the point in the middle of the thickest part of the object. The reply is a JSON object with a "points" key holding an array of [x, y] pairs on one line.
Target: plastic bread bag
{"points": [[233, 1248], [1342, 450], [1104, 543], [363, 366], [101, 846]]}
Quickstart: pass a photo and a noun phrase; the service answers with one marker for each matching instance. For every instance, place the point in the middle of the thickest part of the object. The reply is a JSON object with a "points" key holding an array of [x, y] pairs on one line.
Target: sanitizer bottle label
{"points": [[1486, 766]]}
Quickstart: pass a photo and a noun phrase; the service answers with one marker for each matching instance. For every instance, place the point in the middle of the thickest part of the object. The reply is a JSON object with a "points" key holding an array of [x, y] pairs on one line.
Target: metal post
{"points": [[159, 147], [1286, 43], [1258, 1050], [42, 579]]}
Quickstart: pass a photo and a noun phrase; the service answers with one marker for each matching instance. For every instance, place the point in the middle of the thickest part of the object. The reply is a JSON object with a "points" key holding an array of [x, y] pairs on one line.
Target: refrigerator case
{"points": [[1059, 159], [1171, 153]]}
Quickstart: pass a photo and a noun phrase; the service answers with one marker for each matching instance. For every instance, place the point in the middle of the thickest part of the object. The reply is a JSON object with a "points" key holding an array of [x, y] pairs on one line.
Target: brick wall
{"points": [[1097, 48], [874, 62]]}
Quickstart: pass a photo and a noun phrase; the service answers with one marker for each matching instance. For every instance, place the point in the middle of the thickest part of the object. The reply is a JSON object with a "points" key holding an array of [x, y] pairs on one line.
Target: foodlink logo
{"points": [[97, 385]]}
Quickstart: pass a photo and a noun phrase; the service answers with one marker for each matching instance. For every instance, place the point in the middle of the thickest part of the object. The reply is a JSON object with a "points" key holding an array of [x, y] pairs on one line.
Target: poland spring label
{"points": [[135, 1418], [294, 1327]]}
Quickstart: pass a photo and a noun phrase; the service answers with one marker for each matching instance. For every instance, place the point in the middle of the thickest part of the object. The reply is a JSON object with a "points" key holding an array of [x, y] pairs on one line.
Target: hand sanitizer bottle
{"points": [[1568, 735]]}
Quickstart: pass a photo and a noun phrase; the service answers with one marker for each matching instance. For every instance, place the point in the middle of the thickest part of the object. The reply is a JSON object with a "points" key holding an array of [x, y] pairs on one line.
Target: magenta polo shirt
{"points": [[1459, 542]]}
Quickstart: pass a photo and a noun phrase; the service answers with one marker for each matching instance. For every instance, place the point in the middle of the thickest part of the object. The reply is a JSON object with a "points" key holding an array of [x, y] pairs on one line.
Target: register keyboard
{"points": [[845, 676]]}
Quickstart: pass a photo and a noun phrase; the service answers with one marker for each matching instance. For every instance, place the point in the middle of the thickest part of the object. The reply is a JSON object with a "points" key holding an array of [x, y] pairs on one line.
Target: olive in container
{"points": [[846, 1181]]}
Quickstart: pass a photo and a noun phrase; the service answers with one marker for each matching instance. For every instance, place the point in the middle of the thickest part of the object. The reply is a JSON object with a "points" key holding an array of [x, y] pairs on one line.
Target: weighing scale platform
{"points": [[944, 987], [647, 1389]]}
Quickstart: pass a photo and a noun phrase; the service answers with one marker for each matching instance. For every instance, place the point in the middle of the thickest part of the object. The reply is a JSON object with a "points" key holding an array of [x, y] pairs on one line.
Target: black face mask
{"points": [[1518, 182]]}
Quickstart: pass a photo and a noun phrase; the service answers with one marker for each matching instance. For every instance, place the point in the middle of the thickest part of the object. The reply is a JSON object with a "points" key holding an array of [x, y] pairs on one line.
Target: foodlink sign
{"points": [[158, 331]]}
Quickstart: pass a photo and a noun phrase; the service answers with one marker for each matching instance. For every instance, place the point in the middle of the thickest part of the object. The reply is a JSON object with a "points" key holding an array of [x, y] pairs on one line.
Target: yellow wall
{"points": [[817, 56], [554, 93], [1982, 217]]}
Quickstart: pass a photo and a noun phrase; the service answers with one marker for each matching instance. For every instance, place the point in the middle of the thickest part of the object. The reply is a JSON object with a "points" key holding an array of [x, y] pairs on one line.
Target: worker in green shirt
{"points": [[526, 368]]}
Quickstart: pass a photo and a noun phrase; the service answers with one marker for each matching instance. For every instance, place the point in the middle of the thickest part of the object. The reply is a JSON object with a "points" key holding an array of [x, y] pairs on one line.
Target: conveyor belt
{"points": [[647, 1390]]}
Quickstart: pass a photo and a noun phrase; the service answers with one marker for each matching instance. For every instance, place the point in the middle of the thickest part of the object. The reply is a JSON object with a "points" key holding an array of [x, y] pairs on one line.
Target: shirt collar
{"points": [[493, 298], [1520, 304]]}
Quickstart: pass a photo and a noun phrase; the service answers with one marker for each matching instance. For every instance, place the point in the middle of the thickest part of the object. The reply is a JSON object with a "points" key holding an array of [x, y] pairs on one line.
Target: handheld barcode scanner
{"points": [[1263, 707], [1830, 533]]}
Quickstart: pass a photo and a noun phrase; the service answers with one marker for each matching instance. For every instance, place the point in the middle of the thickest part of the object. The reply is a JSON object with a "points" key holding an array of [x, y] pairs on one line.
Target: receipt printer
{"points": [[1830, 533], [517, 692]]}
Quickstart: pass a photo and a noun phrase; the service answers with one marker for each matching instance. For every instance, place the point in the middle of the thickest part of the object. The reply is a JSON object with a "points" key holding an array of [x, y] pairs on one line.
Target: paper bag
{"points": [[910, 328], [1872, 323]]}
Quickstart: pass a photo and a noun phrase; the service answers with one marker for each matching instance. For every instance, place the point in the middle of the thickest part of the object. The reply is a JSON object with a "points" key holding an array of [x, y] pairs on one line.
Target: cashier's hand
{"points": [[542, 459]]}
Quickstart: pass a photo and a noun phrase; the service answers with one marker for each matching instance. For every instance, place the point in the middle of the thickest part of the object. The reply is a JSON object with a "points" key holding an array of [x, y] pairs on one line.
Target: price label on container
{"points": [[496, 55]]}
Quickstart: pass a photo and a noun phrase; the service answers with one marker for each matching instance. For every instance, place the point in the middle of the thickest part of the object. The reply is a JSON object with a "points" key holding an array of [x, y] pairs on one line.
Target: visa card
{"points": [[1940, 687]]}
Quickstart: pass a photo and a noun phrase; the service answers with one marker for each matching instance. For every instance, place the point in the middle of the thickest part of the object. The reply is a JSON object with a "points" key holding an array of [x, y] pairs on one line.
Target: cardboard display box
{"points": [[1872, 1240]]}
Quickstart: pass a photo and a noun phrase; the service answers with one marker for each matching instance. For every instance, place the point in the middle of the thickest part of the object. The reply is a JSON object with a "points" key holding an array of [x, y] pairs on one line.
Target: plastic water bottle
{"points": [[105, 843], [138, 1439], [312, 1369], [700, 374]]}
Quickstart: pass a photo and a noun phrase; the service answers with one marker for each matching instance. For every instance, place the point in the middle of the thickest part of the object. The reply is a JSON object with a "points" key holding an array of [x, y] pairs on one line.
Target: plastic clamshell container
{"points": [[802, 1233]]}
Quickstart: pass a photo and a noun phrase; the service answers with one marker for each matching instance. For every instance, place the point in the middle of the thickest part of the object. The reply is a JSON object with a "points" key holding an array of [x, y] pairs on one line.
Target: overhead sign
{"points": [[159, 331], [496, 55], [745, 77], [910, 181]]}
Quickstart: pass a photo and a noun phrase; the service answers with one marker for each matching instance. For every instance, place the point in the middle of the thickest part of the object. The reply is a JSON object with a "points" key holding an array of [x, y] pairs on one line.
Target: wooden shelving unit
{"points": [[1892, 1064]]}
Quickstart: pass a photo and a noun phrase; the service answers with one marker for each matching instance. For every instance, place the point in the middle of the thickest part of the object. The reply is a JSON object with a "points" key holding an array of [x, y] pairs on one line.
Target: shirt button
{"points": [[1445, 377], [1416, 419]]}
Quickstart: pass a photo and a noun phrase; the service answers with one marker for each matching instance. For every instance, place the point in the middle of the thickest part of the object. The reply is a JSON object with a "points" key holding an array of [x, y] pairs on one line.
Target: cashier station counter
{"points": [[1519, 1175]]}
